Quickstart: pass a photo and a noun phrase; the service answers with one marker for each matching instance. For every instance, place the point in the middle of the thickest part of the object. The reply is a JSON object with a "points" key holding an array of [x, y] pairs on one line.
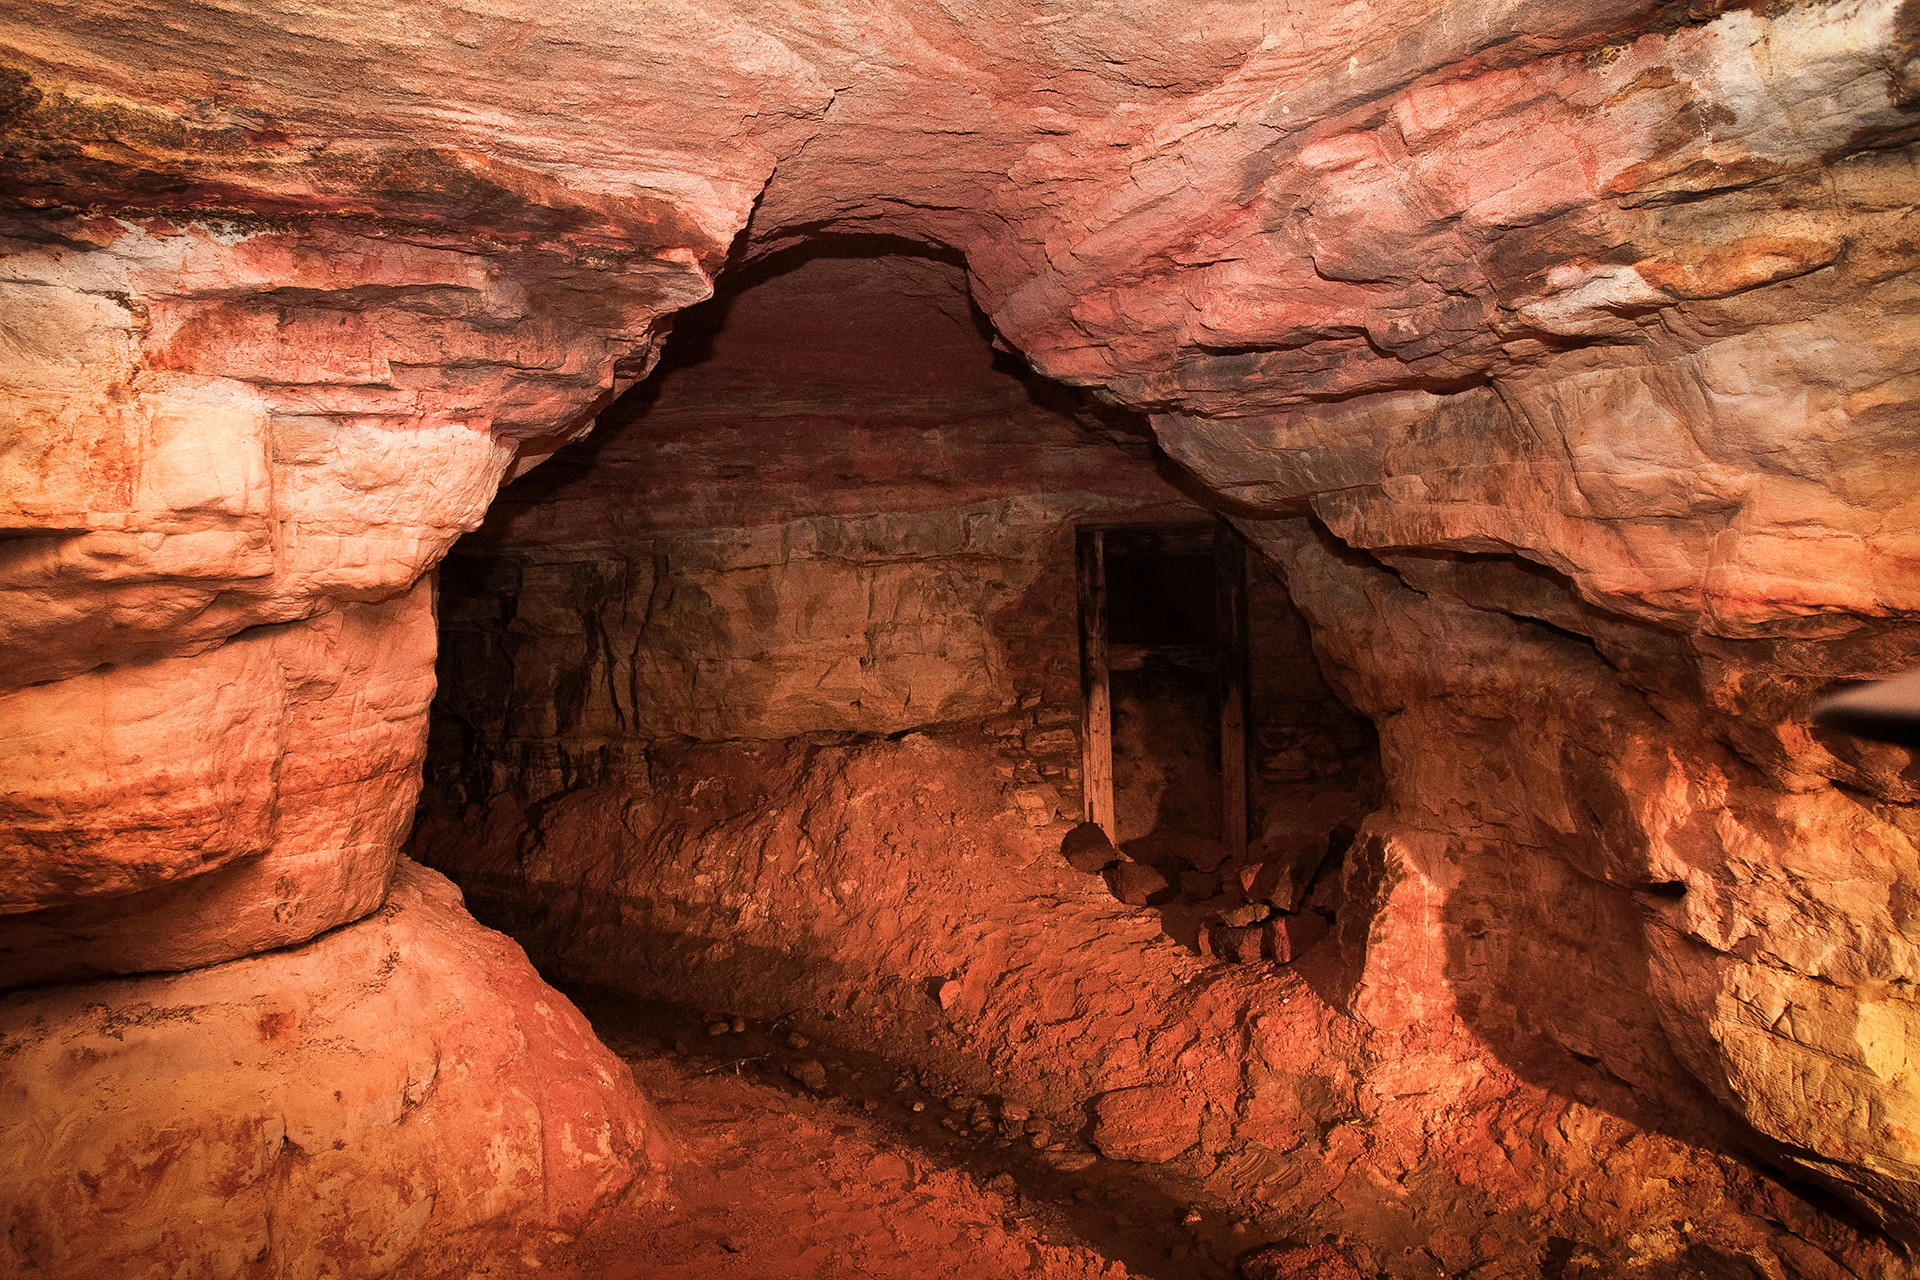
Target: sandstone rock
{"points": [[629, 885], [1240, 944], [1087, 848], [1563, 353], [1298, 1262], [1198, 885], [1035, 804], [1134, 883], [1151, 1124], [1171, 850], [1290, 936], [1246, 914], [184, 811], [400, 1094], [1266, 882], [810, 1073]]}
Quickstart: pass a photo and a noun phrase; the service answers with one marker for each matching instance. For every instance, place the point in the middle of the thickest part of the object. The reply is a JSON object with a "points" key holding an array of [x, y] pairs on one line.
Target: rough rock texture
{"points": [[1724, 916], [854, 520], [225, 458], [1563, 354], [288, 760], [828, 885], [401, 1096]]}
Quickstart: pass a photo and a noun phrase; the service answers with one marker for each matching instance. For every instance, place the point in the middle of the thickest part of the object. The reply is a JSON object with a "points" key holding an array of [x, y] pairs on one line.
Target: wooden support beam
{"points": [[1096, 698], [1230, 579]]}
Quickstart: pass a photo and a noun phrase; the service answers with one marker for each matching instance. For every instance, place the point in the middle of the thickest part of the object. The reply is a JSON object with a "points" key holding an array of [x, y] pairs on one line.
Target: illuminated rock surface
{"points": [[1561, 357], [402, 1096]]}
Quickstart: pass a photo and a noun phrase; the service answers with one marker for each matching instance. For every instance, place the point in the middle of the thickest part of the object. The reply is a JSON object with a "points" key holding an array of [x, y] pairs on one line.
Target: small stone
{"points": [[1070, 1161], [738, 1025], [919, 1106], [1087, 848], [1135, 883], [717, 1028], [1192, 1218], [1032, 804], [1043, 742], [1013, 1111], [1242, 916], [797, 1041], [810, 1073], [1289, 937], [1038, 1139]]}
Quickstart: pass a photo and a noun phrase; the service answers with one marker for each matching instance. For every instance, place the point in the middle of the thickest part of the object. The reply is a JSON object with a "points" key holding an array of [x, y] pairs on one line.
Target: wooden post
{"points": [[1230, 577], [1096, 699]]}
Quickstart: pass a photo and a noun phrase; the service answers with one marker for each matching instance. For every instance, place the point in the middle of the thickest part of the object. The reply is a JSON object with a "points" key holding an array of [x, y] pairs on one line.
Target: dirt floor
{"points": [[798, 1162]]}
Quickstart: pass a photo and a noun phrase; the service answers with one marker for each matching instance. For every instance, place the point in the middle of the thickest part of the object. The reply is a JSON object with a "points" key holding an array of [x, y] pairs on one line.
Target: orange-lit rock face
{"points": [[831, 511], [404, 1094], [1618, 291], [232, 450]]}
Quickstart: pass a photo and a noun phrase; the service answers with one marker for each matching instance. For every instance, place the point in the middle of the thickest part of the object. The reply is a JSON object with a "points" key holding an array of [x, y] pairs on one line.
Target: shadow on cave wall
{"points": [[1549, 967], [1545, 932]]}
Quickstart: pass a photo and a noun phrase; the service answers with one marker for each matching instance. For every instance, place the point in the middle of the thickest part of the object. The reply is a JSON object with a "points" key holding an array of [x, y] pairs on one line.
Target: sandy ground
{"points": [[787, 1181]]}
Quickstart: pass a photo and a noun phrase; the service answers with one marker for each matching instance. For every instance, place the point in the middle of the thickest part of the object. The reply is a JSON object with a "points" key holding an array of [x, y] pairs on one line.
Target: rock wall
{"points": [[1562, 353], [833, 512], [267, 355]]}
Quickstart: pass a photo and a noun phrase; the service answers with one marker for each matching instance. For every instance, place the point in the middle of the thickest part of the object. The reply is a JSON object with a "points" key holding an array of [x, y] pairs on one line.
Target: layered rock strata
{"points": [[1563, 353]]}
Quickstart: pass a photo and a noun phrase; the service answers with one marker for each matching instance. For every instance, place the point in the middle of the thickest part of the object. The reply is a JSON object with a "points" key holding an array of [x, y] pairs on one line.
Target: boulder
{"points": [[1288, 937], [1087, 848], [1135, 883], [400, 1096], [1241, 944]]}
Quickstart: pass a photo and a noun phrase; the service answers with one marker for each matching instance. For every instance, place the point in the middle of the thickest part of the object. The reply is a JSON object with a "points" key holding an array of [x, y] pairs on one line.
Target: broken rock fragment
{"points": [[1290, 936], [1087, 848], [1135, 883]]}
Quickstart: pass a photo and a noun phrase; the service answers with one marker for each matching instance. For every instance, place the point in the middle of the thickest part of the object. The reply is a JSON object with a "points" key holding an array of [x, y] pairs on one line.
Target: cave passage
{"points": [[630, 483], [837, 534]]}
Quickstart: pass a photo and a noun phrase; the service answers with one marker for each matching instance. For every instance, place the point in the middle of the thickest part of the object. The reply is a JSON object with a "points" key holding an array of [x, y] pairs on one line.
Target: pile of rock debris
{"points": [[1268, 904]]}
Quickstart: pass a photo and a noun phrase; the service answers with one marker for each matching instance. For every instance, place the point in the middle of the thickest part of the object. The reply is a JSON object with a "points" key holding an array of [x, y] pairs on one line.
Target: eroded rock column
{"points": [[258, 381]]}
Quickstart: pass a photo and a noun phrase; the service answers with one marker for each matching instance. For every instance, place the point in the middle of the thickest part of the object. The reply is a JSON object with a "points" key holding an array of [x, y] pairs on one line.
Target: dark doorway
{"points": [[1163, 630]]}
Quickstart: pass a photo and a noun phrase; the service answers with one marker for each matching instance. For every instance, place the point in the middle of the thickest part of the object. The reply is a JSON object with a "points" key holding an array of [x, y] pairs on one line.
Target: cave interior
{"points": [[1059, 638]]}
